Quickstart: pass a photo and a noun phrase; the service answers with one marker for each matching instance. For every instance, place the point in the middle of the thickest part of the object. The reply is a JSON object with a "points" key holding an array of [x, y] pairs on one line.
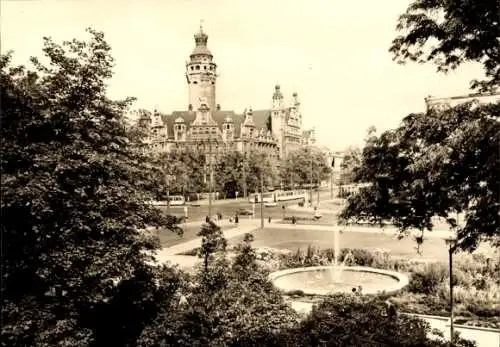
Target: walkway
{"points": [[483, 336], [245, 226]]}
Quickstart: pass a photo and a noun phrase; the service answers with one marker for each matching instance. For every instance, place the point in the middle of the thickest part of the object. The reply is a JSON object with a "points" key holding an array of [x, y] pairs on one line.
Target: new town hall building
{"points": [[205, 126]]}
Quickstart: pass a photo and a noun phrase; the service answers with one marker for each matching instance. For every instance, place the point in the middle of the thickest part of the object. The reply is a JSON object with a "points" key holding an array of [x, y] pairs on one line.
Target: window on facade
{"points": [[197, 67], [192, 68], [204, 67], [195, 82]]}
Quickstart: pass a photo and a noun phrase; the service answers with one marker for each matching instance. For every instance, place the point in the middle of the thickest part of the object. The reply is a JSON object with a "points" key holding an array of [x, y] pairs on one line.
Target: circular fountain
{"points": [[324, 280], [339, 278]]}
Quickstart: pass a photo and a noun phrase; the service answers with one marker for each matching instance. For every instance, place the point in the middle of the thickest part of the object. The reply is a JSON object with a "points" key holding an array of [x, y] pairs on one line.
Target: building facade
{"points": [[205, 126], [443, 103]]}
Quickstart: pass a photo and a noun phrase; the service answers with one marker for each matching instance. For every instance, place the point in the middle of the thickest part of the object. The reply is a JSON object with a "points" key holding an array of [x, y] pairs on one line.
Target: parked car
{"points": [[244, 212]]}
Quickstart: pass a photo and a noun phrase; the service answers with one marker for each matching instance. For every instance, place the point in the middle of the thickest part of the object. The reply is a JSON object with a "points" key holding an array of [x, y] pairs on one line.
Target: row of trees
{"points": [[187, 171]]}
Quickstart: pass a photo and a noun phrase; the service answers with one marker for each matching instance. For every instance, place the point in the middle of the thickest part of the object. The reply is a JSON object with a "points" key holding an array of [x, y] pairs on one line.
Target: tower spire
{"points": [[201, 25]]}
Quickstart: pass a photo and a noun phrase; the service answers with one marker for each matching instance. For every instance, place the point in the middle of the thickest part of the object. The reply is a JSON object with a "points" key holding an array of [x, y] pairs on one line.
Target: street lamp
{"points": [[451, 242], [168, 180]]}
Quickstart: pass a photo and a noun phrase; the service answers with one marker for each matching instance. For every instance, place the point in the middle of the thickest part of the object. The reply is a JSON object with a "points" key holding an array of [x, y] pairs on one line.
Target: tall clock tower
{"points": [[201, 74]]}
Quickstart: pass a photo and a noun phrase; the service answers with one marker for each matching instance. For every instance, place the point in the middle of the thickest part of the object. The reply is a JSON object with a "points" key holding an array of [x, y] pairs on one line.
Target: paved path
{"points": [[245, 226], [483, 337]]}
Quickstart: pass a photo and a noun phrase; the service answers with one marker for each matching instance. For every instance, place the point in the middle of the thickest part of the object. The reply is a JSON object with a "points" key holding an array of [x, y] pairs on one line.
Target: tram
{"points": [[175, 200], [276, 196]]}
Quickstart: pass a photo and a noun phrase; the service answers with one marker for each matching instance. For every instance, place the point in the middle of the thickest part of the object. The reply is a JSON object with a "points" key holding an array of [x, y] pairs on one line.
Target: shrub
{"points": [[360, 257], [428, 279]]}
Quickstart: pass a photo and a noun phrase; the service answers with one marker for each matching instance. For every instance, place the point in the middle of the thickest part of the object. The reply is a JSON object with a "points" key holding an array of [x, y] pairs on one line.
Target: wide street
{"points": [[228, 208]]}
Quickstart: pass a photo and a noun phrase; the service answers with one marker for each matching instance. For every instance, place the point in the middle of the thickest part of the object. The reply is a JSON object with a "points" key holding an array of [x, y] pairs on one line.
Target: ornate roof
{"points": [[277, 92], [260, 119]]}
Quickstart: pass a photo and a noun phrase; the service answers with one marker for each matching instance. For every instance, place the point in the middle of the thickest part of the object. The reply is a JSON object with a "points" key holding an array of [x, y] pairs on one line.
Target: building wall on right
{"points": [[443, 103]]}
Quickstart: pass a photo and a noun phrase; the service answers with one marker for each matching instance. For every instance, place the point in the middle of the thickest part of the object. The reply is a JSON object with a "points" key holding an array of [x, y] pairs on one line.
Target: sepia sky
{"points": [[333, 53]]}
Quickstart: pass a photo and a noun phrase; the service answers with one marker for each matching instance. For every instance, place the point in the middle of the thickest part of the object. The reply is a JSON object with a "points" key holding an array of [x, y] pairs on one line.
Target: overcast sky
{"points": [[333, 53]]}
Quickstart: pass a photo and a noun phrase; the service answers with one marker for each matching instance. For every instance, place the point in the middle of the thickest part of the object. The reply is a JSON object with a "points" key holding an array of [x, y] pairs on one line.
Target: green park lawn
{"points": [[168, 238], [294, 238]]}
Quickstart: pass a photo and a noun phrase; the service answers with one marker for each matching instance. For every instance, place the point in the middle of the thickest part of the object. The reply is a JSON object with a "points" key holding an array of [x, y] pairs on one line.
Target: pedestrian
{"points": [[207, 219], [269, 219], [236, 219], [219, 215], [293, 220]]}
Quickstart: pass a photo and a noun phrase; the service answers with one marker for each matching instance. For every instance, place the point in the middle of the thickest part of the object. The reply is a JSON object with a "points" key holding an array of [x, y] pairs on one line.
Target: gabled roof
{"points": [[259, 118]]}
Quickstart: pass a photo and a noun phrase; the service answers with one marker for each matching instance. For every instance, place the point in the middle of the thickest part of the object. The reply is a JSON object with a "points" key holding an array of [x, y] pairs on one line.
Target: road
{"points": [[228, 208]]}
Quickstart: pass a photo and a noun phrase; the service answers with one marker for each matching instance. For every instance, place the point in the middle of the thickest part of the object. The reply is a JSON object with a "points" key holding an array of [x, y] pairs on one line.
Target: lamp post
{"points": [[168, 180], [451, 242], [211, 153], [261, 201], [311, 181]]}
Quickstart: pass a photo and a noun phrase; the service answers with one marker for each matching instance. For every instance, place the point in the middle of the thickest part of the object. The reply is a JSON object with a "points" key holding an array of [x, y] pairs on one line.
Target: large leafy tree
{"points": [[74, 270], [436, 164], [350, 162], [305, 165], [233, 170], [181, 171], [229, 171], [449, 33]]}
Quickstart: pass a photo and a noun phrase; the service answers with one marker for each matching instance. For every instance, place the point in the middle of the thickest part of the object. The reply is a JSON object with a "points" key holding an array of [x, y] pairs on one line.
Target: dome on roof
{"points": [[179, 120], [277, 92], [201, 50]]}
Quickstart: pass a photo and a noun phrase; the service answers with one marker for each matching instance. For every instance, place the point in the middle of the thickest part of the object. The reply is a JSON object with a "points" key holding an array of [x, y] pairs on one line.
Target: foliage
{"points": [[434, 164], [212, 241], [356, 320], [235, 170], [350, 162], [450, 33], [428, 279], [74, 270], [305, 165], [243, 310], [181, 171], [230, 173]]}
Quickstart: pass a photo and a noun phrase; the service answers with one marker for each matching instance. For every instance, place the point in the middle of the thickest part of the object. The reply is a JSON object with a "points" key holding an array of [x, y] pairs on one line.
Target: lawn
{"points": [[294, 238], [168, 238]]}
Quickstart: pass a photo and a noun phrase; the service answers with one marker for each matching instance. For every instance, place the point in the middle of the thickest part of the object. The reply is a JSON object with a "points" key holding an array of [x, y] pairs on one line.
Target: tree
{"points": [[260, 164], [233, 170], [450, 33], [356, 320], [73, 204], [434, 165], [180, 172], [229, 172], [243, 309], [304, 166], [350, 163]]}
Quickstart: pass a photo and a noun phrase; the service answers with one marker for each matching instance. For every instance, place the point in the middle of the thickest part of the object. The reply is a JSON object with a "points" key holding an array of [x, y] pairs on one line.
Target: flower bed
{"points": [[476, 287]]}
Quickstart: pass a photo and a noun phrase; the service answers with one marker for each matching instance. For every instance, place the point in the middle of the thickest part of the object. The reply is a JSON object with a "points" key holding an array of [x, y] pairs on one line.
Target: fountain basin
{"points": [[325, 280]]}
